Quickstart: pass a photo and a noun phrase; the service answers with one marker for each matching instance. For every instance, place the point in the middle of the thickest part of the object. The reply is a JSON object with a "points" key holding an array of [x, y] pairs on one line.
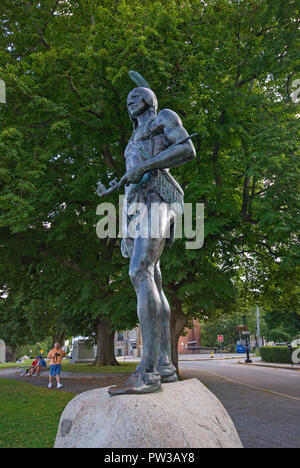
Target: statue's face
{"points": [[135, 103]]}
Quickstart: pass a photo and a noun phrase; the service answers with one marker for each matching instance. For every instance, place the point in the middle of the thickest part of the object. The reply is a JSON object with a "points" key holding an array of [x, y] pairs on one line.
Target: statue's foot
{"points": [[137, 383], [168, 374]]}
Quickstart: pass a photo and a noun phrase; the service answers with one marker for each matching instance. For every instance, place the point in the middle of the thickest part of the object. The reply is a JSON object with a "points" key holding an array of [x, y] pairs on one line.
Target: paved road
{"points": [[263, 419], [253, 397], [282, 381]]}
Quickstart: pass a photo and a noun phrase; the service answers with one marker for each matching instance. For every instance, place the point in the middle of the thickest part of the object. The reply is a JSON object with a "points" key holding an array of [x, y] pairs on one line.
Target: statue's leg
{"points": [[146, 252], [166, 368]]}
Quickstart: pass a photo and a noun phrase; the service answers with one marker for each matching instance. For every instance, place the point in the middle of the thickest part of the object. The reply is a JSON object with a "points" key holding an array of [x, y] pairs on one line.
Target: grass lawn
{"points": [[29, 415], [84, 368], [6, 365]]}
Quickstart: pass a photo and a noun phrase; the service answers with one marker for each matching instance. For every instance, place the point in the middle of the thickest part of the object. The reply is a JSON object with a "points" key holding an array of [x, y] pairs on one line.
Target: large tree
{"points": [[226, 67]]}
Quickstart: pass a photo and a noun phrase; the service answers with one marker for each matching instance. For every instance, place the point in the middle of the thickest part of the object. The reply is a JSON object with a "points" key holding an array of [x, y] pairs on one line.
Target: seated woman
{"points": [[35, 368]]}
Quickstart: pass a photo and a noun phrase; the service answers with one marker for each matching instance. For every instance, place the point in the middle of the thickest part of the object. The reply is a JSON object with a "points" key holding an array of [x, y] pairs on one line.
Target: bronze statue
{"points": [[158, 142]]}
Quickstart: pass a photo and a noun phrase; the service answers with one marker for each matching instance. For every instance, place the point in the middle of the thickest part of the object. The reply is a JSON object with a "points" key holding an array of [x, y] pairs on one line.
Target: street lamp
{"points": [[247, 334]]}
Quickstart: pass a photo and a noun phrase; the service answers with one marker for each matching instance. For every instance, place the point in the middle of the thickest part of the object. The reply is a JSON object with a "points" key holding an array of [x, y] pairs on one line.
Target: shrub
{"points": [[278, 354]]}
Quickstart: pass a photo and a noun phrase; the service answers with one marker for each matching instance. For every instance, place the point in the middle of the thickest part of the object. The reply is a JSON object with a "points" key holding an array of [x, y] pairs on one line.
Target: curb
{"points": [[95, 376], [271, 366], [209, 359]]}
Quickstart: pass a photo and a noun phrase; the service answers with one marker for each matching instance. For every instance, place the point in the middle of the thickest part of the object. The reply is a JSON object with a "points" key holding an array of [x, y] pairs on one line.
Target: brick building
{"points": [[190, 342], [128, 343]]}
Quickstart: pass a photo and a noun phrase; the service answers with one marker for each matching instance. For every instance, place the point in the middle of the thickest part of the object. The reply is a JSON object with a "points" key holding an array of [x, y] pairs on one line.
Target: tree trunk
{"points": [[105, 344], [10, 354], [58, 337], [178, 323]]}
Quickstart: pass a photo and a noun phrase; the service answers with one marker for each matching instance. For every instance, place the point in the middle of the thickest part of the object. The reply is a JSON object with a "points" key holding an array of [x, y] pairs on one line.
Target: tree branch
{"points": [[266, 30], [40, 32], [245, 80], [108, 157], [99, 115], [215, 155], [67, 263]]}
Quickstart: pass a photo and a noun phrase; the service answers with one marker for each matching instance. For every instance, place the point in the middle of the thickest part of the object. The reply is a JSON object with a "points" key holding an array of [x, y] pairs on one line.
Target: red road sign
{"points": [[220, 338]]}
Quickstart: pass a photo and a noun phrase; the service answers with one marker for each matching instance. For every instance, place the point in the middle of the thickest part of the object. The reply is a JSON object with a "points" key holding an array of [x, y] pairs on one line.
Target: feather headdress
{"points": [[138, 79]]}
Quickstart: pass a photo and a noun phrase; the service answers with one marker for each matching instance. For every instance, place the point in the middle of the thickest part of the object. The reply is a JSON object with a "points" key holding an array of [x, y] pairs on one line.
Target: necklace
{"points": [[146, 134]]}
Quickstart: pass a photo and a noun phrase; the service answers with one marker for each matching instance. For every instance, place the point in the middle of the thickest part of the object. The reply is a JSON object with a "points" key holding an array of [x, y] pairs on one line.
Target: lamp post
{"points": [[246, 333], [290, 348], [258, 327]]}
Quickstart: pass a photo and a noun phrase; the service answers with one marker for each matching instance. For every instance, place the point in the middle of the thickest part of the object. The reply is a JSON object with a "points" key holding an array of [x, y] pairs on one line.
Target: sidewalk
{"points": [[207, 357], [260, 363], [74, 382], [191, 357]]}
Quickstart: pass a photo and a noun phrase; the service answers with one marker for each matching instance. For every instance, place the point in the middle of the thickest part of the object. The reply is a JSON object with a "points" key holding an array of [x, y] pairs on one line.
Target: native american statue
{"points": [[158, 142]]}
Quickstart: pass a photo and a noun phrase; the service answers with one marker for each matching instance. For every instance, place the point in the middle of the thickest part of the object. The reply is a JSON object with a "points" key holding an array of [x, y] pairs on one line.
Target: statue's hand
{"points": [[133, 175]]}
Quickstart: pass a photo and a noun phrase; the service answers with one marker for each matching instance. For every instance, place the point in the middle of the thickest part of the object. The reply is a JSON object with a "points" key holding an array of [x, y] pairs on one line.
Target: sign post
{"points": [[220, 340], [246, 333], [290, 348]]}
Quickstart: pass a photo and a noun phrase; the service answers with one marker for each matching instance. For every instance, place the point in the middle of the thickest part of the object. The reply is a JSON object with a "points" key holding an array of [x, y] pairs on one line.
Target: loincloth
{"points": [[157, 195]]}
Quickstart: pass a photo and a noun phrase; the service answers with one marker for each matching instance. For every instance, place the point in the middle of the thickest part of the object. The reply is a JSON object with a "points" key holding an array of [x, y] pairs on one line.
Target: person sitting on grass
{"points": [[34, 369], [30, 372], [41, 363]]}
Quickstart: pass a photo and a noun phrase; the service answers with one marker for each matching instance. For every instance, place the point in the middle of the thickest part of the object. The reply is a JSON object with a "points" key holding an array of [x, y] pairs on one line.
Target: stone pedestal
{"points": [[82, 352], [181, 415], [2, 352]]}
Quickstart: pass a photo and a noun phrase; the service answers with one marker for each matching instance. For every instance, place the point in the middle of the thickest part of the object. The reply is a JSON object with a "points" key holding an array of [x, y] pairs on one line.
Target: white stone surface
{"points": [[2, 351], [182, 415], [82, 352]]}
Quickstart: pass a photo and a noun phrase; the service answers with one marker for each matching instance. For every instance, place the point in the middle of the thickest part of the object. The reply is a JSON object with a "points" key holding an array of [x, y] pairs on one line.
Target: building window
{"points": [[120, 337]]}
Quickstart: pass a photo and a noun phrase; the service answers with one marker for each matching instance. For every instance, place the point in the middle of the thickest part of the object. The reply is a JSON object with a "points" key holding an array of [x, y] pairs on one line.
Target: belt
{"points": [[161, 182]]}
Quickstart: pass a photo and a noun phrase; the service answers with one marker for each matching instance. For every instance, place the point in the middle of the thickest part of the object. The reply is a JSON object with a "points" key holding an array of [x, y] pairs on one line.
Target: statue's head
{"points": [[141, 98]]}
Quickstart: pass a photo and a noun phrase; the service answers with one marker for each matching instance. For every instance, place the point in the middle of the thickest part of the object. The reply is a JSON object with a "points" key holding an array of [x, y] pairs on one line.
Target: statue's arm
{"points": [[169, 123]]}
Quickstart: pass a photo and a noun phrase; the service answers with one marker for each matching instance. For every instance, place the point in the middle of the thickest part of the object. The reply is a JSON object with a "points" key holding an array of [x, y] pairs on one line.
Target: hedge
{"points": [[278, 354]]}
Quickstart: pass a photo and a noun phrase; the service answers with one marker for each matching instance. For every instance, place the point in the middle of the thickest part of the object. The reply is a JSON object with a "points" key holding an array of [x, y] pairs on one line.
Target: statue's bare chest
{"points": [[144, 145]]}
